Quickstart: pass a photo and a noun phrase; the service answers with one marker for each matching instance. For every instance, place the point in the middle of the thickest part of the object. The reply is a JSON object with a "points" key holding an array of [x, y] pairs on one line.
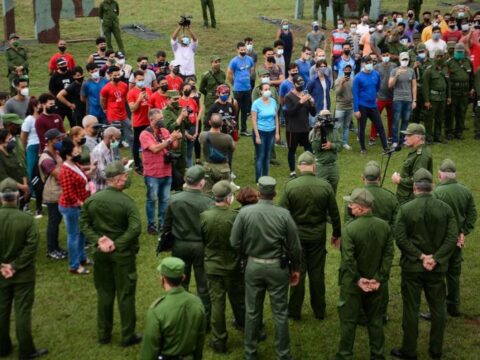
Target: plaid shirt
{"points": [[74, 188]]}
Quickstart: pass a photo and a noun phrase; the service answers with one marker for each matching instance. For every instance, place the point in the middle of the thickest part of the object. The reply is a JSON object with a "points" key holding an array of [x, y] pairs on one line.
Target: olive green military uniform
{"points": [[364, 7], [211, 9], [338, 11], [477, 107], [170, 116], [367, 252], [427, 226], [321, 4], [18, 247], [262, 231], [112, 213], [416, 6], [396, 48], [436, 89], [419, 112], [175, 324], [462, 203], [15, 56], [109, 12], [208, 86], [309, 200]]}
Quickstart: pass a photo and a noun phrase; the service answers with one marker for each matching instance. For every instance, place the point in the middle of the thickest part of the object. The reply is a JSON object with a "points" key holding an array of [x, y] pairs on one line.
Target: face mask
{"points": [[80, 80], [11, 145], [386, 59], [438, 62], [347, 74], [346, 52], [114, 144], [399, 20], [103, 48], [143, 66], [353, 30], [95, 75], [242, 54], [77, 158], [249, 47], [187, 92], [285, 27], [322, 58], [267, 94], [176, 70], [350, 211], [436, 36], [116, 79], [340, 26], [279, 51], [411, 25], [16, 43], [140, 84], [50, 110], [421, 56], [404, 63], [404, 42], [58, 146], [323, 70], [426, 19], [82, 141], [299, 87], [62, 48], [265, 80], [459, 55], [175, 105], [379, 27], [159, 124], [410, 15], [24, 92], [63, 69], [271, 59], [371, 30], [315, 28], [465, 27], [121, 62], [224, 97], [452, 26], [164, 87], [369, 67], [461, 14], [186, 41], [128, 183]]}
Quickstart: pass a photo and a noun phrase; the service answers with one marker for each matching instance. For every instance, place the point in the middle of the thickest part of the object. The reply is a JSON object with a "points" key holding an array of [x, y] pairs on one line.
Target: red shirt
{"points": [[52, 64], [45, 123], [74, 187], [158, 100], [174, 83], [474, 56], [193, 105], [154, 163], [455, 35], [140, 116], [115, 96]]}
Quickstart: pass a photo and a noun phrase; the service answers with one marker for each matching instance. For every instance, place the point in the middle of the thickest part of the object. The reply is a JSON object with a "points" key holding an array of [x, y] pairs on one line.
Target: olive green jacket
{"points": [[109, 11], [461, 76], [435, 84], [170, 116], [326, 156], [208, 86], [16, 57]]}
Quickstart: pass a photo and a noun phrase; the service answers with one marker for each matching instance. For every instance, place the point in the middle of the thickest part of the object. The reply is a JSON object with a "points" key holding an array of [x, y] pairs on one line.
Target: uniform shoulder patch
{"points": [[157, 302], [419, 151]]}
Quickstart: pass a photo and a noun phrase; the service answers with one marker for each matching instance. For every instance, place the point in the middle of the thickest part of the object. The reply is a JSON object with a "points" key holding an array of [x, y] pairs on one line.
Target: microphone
{"points": [[392, 150]]}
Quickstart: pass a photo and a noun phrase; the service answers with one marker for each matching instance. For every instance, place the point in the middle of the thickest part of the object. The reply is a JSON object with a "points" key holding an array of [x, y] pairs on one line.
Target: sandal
{"points": [[80, 271]]}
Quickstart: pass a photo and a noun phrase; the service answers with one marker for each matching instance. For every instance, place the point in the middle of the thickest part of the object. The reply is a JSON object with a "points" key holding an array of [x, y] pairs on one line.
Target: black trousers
{"points": [[136, 144], [374, 116], [244, 100], [54, 220]]}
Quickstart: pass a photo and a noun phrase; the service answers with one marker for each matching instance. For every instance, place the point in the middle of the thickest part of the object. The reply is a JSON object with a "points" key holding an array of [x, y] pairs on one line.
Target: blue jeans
{"points": [[344, 118], [190, 146], [157, 189], [401, 112], [75, 239], [262, 153], [32, 159]]}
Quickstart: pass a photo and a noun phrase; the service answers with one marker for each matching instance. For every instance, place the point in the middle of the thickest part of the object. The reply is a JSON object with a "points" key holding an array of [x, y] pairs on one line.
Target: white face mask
{"points": [[399, 20], [267, 94], [279, 51], [24, 91], [265, 80], [369, 67], [404, 63], [379, 27], [249, 47], [386, 59], [96, 75], [121, 62], [353, 30], [340, 26]]}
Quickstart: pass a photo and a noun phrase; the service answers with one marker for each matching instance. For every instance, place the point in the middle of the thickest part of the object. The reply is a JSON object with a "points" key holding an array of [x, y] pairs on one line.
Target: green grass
{"points": [[64, 315]]}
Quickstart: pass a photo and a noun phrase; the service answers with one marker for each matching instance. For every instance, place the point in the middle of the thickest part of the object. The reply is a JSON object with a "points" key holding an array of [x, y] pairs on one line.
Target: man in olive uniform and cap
{"points": [[338, 7], [175, 323], [460, 199], [109, 12], [17, 61], [421, 61], [436, 95], [267, 235], [460, 69], [426, 233], [321, 4], [419, 157], [416, 6], [367, 254], [364, 7], [211, 79], [222, 264], [18, 248], [310, 200], [111, 220], [182, 221]]}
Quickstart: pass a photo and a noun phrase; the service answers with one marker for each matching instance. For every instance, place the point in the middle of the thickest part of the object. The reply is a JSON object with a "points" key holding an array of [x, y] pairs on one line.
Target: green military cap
{"points": [[173, 93], [172, 267], [448, 165], [450, 44], [361, 197], [460, 47], [263, 72], [11, 118], [439, 53], [373, 162], [222, 189], [371, 171], [266, 185], [194, 174], [422, 175], [414, 129], [215, 58], [13, 36], [114, 168], [8, 184], [421, 47], [306, 158]]}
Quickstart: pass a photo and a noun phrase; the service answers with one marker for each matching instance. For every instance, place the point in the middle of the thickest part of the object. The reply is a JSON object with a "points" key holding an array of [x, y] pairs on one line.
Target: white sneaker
{"points": [[394, 145], [347, 147], [125, 144]]}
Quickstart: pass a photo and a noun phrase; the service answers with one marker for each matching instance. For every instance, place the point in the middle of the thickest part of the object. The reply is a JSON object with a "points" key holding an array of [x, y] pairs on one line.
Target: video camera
{"points": [[100, 128], [229, 124], [324, 124], [185, 20]]}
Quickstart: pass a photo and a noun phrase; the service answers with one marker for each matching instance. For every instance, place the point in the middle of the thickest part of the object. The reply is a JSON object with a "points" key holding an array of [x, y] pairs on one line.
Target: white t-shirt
{"points": [[185, 56], [362, 29], [28, 126], [433, 46]]}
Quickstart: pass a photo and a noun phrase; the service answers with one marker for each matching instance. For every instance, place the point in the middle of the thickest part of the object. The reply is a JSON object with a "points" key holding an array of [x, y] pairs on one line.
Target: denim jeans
{"points": [[190, 146], [54, 220], [401, 115], [157, 189], [75, 239], [262, 153], [244, 99], [32, 161], [344, 118]]}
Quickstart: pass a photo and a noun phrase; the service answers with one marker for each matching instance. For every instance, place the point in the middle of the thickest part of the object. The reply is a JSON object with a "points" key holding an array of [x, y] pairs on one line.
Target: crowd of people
{"points": [[182, 128]]}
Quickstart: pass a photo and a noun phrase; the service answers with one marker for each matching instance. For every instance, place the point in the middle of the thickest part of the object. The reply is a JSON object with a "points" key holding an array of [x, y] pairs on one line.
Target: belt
{"points": [[460, 84], [435, 92], [264, 261]]}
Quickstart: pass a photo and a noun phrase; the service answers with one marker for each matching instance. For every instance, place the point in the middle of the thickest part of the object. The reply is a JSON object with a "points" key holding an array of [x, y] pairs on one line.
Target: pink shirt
{"points": [[153, 163]]}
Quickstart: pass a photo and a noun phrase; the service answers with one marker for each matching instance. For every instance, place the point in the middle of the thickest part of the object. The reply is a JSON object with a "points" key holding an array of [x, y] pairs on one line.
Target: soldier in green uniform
{"points": [[310, 200], [419, 157], [436, 95], [338, 7], [222, 264], [267, 235], [326, 150], [367, 254], [364, 7], [109, 12], [175, 323], [460, 69], [17, 61], [211, 79], [462, 203], [425, 233], [421, 62], [18, 248], [182, 220], [211, 8], [477, 105], [323, 4], [111, 220], [416, 6]]}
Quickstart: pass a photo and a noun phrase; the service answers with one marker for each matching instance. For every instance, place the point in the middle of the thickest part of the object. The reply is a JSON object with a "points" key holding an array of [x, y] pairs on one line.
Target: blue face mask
{"points": [[140, 84], [58, 146], [224, 97], [186, 41]]}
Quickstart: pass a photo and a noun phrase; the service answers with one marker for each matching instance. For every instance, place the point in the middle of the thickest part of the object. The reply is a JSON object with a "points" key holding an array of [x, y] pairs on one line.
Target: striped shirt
{"points": [[98, 60]]}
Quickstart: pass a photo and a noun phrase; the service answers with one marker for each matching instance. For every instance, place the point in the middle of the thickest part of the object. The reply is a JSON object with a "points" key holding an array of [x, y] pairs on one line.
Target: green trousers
{"points": [[211, 8], [418, 114], [433, 285], [260, 278], [192, 253], [453, 280], [22, 296], [476, 122], [434, 120], [364, 7], [351, 304], [313, 263], [320, 4], [455, 120], [214, 173], [330, 173], [219, 286], [109, 28], [115, 275], [415, 5], [338, 10]]}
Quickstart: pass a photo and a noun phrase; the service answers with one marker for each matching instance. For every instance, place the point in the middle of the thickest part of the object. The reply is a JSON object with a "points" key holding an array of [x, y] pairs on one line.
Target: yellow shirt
{"points": [[427, 32]]}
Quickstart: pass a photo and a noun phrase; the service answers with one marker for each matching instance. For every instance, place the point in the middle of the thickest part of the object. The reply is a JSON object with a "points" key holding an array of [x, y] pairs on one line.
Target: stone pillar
{"points": [[8, 11]]}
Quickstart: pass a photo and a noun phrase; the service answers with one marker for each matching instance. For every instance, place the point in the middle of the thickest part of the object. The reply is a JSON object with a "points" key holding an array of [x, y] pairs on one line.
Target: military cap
{"points": [[172, 267], [195, 174], [422, 175], [266, 185], [306, 158], [12, 118], [13, 36], [414, 129], [173, 93], [215, 58], [450, 44], [448, 165], [53, 133], [404, 56], [361, 197], [222, 189], [8, 184], [371, 171], [460, 47], [421, 47], [114, 168], [439, 53], [263, 72]]}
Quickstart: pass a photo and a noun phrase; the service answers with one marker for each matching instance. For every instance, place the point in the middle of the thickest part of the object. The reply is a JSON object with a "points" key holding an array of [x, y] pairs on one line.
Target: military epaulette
{"points": [[419, 151], [156, 302], [429, 67], [448, 60]]}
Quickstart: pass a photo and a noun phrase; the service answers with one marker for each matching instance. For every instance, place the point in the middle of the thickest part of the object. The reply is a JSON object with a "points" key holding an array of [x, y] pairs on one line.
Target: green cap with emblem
{"points": [[361, 197], [266, 185], [459, 47], [11, 118], [306, 158], [172, 94], [114, 168], [414, 129], [439, 53], [421, 47], [172, 267], [215, 58], [448, 165], [194, 174], [450, 44], [371, 171], [263, 72], [422, 175], [8, 185], [222, 189]]}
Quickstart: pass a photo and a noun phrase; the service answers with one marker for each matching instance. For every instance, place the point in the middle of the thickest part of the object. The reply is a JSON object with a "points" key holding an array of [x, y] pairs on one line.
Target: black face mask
{"points": [[410, 25], [77, 158], [161, 63], [271, 59], [298, 87], [15, 130], [176, 70], [159, 124], [187, 92], [62, 48], [143, 66], [63, 69], [11, 145], [452, 26], [426, 20], [50, 110], [116, 80], [82, 141], [164, 87], [242, 54], [80, 80], [347, 74], [346, 52], [103, 48]]}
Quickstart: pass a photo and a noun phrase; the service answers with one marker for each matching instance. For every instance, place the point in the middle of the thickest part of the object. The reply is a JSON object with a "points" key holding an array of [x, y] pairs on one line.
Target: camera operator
{"points": [[184, 47], [225, 105], [326, 144], [90, 125]]}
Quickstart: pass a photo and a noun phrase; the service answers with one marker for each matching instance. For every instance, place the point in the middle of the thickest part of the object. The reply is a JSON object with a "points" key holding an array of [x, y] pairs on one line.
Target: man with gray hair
{"points": [[103, 154], [88, 124]]}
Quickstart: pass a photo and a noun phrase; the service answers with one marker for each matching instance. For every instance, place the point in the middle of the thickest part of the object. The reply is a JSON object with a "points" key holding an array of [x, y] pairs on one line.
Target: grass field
{"points": [[64, 316]]}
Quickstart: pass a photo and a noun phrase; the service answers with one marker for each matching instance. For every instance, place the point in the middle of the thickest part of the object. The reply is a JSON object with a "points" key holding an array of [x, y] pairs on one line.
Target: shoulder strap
{"points": [[216, 80]]}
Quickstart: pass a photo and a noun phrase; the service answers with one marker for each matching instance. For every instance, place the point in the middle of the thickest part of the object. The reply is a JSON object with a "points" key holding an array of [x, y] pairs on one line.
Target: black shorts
{"points": [[295, 139]]}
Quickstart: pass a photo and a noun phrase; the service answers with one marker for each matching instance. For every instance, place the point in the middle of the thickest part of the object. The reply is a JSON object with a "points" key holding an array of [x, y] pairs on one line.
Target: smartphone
{"points": [[305, 92]]}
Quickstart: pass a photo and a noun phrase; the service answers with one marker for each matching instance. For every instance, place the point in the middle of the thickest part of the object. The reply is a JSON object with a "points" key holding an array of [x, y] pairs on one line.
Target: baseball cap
{"points": [[172, 267], [266, 185], [414, 129], [361, 197]]}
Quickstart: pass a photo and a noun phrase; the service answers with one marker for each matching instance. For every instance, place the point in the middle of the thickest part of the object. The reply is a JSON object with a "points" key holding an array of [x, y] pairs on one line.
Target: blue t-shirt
{"points": [[285, 87], [241, 72], [304, 70], [265, 114], [340, 65], [91, 90]]}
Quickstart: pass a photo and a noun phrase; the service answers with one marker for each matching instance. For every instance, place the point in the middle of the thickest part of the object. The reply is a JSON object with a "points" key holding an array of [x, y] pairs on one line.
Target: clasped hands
{"points": [[368, 285], [105, 244], [428, 262], [7, 271]]}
